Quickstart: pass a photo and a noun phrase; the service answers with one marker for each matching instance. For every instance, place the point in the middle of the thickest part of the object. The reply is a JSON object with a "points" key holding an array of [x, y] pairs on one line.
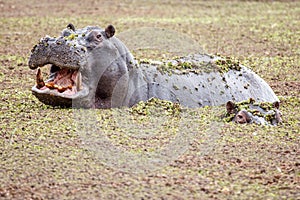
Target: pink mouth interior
{"points": [[64, 82]]}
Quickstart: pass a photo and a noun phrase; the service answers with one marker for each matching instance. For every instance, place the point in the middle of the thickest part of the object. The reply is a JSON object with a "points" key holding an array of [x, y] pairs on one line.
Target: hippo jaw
{"points": [[70, 74], [61, 89]]}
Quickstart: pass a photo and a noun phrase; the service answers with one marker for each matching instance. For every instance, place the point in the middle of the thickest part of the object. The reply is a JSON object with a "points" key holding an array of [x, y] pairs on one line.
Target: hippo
{"points": [[92, 68], [249, 111]]}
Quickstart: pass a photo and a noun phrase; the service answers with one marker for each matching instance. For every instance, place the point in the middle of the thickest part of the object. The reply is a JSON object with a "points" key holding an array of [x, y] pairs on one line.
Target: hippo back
{"points": [[206, 86]]}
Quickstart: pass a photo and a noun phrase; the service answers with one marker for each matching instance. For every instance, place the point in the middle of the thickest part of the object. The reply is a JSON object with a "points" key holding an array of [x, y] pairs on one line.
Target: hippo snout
{"points": [[60, 52]]}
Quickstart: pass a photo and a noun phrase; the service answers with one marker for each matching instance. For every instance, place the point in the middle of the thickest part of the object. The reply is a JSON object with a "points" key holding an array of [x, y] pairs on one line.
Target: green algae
{"points": [[227, 64], [185, 65], [150, 107], [72, 36], [43, 159]]}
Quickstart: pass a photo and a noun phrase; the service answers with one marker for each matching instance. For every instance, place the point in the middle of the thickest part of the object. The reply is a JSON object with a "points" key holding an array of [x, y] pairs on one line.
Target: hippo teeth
{"points": [[79, 81], [39, 79]]}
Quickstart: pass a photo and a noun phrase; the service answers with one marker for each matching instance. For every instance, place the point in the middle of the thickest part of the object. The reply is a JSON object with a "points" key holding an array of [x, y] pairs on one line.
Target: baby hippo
{"points": [[251, 112]]}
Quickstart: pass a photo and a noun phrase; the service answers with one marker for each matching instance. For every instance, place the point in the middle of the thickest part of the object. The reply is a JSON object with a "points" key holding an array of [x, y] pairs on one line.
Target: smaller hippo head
{"points": [[257, 113], [86, 64]]}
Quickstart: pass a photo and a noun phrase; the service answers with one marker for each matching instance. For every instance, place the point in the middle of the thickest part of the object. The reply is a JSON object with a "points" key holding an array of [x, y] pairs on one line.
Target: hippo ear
{"points": [[71, 26], [276, 104], [110, 31], [230, 107]]}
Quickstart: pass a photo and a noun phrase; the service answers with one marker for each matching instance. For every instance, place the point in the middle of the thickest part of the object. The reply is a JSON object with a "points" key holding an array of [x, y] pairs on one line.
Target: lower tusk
{"points": [[79, 81], [39, 79]]}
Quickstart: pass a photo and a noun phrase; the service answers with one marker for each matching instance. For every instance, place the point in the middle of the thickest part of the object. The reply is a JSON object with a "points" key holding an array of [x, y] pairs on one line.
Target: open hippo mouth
{"points": [[61, 88], [66, 82]]}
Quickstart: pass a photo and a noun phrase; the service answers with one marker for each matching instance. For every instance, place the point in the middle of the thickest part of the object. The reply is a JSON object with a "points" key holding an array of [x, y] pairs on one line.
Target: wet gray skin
{"points": [[92, 68]]}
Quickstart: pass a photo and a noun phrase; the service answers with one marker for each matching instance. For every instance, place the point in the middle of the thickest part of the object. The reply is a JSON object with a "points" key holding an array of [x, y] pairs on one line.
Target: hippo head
{"points": [[86, 64], [257, 113]]}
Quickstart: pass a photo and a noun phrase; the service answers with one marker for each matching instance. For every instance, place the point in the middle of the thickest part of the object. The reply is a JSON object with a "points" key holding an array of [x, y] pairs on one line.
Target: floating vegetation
{"points": [[154, 106]]}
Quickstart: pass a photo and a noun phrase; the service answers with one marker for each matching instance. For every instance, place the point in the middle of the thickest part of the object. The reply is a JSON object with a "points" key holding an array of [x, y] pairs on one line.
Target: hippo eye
{"points": [[240, 116], [98, 36]]}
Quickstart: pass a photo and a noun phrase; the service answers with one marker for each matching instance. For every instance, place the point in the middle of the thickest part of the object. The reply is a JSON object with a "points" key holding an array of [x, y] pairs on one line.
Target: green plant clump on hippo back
{"points": [[226, 64], [71, 36], [181, 65], [185, 67]]}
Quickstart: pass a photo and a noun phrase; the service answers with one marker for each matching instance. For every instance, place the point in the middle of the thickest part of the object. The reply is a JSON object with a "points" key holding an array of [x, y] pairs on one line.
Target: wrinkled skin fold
{"points": [[92, 68]]}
